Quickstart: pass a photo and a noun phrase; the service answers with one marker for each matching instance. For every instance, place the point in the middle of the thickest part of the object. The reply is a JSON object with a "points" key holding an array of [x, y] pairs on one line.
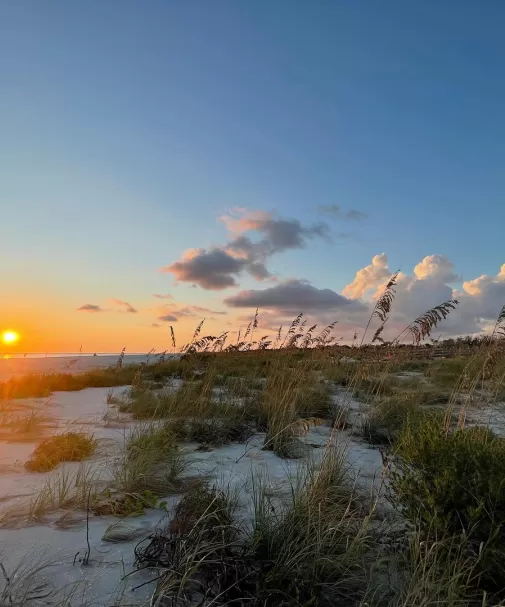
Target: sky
{"points": [[228, 155]]}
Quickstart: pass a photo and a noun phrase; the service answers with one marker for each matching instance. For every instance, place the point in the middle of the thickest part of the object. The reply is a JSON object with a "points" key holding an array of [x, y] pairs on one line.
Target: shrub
{"points": [[452, 483], [68, 447]]}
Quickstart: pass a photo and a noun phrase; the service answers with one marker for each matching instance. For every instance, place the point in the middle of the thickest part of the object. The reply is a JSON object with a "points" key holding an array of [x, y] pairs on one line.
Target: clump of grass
{"points": [[387, 417], [310, 549], [192, 398], [150, 437], [197, 549], [29, 423], [313, 398], [66, 489], [67, 447], [151, 462], [24, 425], [28, 582], [212, 432], [424, 574], [205, 511]]}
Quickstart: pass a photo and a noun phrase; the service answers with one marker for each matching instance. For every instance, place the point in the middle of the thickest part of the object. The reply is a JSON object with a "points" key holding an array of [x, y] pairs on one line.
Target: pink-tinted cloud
{"points": [[124, 306], [219, 267]]}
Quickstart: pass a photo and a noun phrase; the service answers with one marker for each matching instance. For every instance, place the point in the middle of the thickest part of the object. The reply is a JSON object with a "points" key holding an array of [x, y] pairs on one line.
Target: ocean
{"points": [[16, 364]]}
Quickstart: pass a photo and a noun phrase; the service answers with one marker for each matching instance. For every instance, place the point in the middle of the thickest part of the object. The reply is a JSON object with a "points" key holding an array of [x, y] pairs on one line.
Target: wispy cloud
{"points": [[163, 296], [125, 306], [90, 308], [336, 211], [178, 311], [168, 318]]}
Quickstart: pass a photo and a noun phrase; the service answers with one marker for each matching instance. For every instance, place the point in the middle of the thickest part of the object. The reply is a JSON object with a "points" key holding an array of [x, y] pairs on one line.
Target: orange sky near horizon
{"points": [[51, 330]]}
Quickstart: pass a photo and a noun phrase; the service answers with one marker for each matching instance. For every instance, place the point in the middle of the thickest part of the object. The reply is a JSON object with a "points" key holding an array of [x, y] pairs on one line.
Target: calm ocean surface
{"points": [[64, 363]]}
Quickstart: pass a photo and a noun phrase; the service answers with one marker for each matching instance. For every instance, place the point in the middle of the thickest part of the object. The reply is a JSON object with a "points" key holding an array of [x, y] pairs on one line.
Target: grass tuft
{"points": [[151, 462], [67, 447]]}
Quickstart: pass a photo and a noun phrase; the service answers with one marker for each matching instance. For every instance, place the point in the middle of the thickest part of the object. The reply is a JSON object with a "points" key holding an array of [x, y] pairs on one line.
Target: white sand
{"points": [[100, 582]]}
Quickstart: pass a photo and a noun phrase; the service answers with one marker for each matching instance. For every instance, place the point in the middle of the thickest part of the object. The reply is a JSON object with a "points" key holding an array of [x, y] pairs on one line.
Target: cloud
{"points": [[487, 294], [219, 267], [199, 310], [178, 311], [213, 269], [292, 295], [163, 296], [429, 285], [437, 267], [90, 308], [168, 318], [126, 307], [336, 211], [486, 284], [369, 277], [278, 234], [155, 325]]}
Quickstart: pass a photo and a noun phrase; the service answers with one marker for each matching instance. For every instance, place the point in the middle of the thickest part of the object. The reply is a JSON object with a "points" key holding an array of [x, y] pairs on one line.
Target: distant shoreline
{"points": [[19, 364], [76, 354]]}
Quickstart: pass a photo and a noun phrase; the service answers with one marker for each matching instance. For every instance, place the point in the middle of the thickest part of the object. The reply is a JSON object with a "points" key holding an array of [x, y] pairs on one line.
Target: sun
{"points": [[10, 337]]}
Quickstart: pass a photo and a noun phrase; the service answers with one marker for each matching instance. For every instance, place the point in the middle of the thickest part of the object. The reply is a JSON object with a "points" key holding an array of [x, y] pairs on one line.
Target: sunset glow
{"points": [[10, 337]]}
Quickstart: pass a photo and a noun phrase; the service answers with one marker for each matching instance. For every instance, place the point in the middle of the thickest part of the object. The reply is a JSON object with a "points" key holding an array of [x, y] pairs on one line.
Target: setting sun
{"points": [[10, 337]]}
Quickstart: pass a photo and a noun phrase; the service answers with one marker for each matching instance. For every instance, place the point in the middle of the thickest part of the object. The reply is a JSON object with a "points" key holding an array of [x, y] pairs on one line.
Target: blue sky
{"points": [[128, 128]]}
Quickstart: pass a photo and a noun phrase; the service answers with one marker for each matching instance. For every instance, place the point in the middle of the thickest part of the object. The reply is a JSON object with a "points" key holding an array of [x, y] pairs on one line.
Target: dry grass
{"points": [[22, 424], [324, 543], [67, 447], [151, 462]]}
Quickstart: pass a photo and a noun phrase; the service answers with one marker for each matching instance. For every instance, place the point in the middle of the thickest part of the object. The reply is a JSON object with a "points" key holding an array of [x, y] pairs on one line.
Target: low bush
{"points": [[451, 483], [68, 447]]}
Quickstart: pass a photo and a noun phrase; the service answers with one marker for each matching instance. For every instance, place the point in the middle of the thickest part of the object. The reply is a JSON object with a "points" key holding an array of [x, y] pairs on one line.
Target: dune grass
{"points": [[212, 432], [325, 542], [305, 551], [67, 447], [151, 462], [22, 424], [42, 384]]}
